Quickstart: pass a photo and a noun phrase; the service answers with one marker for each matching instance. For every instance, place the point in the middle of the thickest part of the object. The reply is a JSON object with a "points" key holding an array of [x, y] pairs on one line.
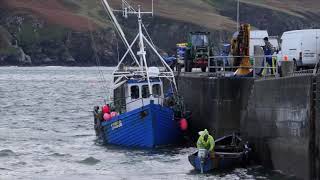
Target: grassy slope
{"points": [[206, 12], [77, 13], [68, 13], [192, 11], [290, 6]]}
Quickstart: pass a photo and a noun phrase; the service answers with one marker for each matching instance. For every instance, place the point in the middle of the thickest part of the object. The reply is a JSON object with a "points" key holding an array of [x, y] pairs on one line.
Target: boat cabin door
{"points": [[138, 95]]}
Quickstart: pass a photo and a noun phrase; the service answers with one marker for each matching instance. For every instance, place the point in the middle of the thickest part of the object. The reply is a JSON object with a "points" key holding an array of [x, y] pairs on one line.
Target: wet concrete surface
{"points": [[274, 115]]}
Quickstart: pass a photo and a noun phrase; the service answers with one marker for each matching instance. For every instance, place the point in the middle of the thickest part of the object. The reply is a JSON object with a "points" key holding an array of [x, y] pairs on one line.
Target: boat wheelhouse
{"points": [[138, 95]]}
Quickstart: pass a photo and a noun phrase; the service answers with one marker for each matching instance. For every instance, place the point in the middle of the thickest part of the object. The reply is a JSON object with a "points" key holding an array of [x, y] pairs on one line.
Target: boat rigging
{"points": [[121, 74]]}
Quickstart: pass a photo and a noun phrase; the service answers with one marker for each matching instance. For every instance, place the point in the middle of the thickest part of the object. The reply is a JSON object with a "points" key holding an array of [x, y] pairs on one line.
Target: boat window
{"points": [[145, 91], [156, 90], [135, 92]]}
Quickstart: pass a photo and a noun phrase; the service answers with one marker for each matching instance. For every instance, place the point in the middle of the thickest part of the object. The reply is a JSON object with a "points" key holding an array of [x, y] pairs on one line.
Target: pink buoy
{"points": [[105, 109], [113, 114], [107, 117], [183, 124]]}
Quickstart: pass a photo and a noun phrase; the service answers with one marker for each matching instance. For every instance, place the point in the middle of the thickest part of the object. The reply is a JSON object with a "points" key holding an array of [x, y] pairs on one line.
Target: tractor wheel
{"points": [[212, 64], [172, 67], [203, 69], [188, 61], [188, 65], [295, 65], [178, 67]]}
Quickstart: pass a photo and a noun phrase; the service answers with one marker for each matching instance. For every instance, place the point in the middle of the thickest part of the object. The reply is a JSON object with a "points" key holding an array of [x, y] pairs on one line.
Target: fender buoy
{"points": [[183, 124], [105, 109], [113, 114], [107, 117]]}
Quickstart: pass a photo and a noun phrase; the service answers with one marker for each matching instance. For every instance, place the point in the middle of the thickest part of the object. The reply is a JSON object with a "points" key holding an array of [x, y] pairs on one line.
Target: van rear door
{"points": [[309, 46], [291, 45]]}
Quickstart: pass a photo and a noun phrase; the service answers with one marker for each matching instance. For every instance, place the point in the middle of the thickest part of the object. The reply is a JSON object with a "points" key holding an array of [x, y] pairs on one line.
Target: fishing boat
{"points": [[146, 110], [230, 151]]}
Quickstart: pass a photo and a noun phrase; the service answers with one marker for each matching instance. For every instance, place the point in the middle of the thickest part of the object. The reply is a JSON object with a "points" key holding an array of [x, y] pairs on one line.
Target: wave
{"points": [[5, 169], [6, 152], [60, 155], [90, 161]]}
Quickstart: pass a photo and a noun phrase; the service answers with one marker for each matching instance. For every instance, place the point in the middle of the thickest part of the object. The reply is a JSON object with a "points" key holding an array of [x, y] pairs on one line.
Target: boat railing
{"points": [[223, 65], [303, 72]]}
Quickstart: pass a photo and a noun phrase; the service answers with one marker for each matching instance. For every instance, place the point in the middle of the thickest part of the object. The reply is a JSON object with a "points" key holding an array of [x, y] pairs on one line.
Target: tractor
{"points": [[198, 51]]}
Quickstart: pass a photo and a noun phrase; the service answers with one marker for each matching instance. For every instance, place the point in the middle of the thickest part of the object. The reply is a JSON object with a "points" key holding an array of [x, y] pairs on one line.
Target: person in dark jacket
{"points": [[268, 50]]}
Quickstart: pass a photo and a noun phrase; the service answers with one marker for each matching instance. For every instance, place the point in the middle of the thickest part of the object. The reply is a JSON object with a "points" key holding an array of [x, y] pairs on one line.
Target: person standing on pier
{"points": [[206, 141], [268, 51]]}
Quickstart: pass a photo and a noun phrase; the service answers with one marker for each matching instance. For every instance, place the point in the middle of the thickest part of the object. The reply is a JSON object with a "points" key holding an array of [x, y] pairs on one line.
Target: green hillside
{"points": [[63, 32]]}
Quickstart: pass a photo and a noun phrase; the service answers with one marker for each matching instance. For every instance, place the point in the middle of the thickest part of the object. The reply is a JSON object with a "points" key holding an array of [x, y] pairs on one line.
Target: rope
{"points": [[149, 38], [115, 25], [97, 59], [145, 29], [118, 53]]}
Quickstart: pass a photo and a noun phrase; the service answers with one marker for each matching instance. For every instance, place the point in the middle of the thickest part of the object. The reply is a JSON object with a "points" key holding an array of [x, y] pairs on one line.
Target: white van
{"points": [[301, 46], [256, 39]]}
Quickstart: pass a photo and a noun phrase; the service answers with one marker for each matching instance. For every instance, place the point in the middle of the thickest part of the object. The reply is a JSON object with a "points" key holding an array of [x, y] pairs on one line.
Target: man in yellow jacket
{"points": [[206, 141]]}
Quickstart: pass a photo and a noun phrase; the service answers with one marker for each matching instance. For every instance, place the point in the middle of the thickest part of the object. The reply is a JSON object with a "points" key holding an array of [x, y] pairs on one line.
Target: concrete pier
{"points": [[277, 123], [316, 152], [216, 103], [280, 117]]}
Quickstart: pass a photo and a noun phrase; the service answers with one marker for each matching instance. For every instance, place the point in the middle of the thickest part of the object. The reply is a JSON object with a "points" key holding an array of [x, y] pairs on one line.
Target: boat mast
{"points": [[142, 52]]}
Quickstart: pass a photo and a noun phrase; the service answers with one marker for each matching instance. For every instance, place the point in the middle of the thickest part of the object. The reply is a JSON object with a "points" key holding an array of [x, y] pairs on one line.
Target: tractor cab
{"points": [[199, 39]]}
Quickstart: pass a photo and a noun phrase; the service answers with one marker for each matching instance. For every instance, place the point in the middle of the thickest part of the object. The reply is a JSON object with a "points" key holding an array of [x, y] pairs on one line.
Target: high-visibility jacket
{"points": [[209, 144]]}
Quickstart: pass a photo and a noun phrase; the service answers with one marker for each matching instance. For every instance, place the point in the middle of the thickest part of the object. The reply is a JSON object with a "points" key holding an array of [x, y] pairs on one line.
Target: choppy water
{"points": [[46, 132]]}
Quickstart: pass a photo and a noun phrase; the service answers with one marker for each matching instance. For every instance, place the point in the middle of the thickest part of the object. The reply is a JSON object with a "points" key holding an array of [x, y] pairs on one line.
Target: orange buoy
{"points": [[113, 114], [107, 117], [183, 124], [105, 109]]}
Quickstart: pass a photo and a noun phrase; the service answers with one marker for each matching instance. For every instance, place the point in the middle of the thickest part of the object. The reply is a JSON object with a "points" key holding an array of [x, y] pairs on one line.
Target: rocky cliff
{"points": [[69, 32]]}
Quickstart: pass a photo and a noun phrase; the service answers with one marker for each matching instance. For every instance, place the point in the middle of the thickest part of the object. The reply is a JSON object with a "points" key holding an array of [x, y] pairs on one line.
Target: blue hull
{"points": [[148, 127]]}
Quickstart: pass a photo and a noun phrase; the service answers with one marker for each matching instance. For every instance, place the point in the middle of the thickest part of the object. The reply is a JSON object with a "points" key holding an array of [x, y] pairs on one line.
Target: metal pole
{"points": [[254, 67], [224, 68], [238, 15], [142, 52], [152, 7]]}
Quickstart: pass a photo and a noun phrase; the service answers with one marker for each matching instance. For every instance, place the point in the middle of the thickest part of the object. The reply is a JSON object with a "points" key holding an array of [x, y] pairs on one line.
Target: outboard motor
{"points": [[202, 155]]}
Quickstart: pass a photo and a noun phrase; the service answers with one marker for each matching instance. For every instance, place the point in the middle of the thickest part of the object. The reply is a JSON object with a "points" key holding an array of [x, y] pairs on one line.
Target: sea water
{"points": [[46, 132]]}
